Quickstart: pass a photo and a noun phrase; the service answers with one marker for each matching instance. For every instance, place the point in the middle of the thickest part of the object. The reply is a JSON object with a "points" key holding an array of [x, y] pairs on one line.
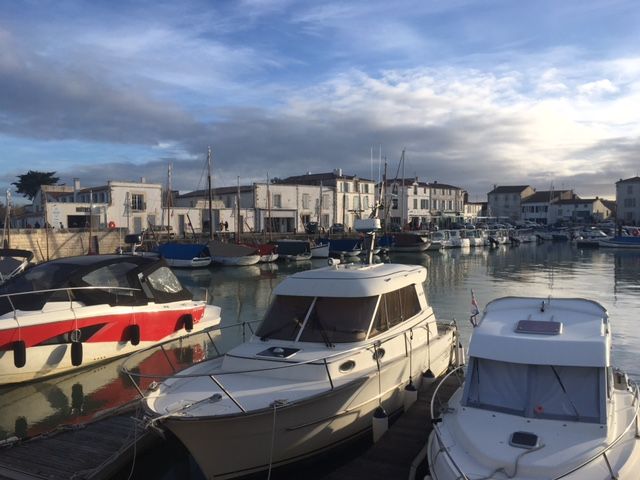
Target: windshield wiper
{"points": [[323, 331], [565, 391]]}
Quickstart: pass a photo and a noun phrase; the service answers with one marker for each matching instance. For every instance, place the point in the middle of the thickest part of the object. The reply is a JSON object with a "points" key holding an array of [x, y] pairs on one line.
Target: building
{"points": [[628, 201], [279, 208], [420, 204], [536, 207], [134, 206], [353, 197], [579, 210], [473, 210], [505, 201]]}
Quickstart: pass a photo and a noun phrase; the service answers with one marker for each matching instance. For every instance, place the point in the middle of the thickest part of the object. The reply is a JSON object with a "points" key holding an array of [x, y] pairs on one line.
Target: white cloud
{"points": [[599, 87]]}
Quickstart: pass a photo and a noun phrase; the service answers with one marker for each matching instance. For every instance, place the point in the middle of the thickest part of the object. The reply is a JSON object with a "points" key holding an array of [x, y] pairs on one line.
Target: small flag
{"points": [[474, 309]]}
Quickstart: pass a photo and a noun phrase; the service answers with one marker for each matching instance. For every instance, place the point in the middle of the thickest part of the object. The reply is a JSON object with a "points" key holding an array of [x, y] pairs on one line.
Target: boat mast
{"points": [[169, 186], [209, 192], [238, 210], [320, 205], [7, 220], [403, 211], [268, 208]]}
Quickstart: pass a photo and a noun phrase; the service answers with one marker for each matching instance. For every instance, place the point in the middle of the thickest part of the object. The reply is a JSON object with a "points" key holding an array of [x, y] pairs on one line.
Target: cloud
{"points": [[599, 87]]}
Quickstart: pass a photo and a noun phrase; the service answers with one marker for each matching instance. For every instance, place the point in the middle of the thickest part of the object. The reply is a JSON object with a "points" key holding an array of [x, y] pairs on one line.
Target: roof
{"points": [[509, 189], [314, 178], [545, 196], [610, 204], [576, 201], [217, 191], [584, 340], [629, 180], [352, 280]]}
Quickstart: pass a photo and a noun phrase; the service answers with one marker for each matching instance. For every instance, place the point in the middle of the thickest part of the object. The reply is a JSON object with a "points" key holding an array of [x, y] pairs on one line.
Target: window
{"points": [[424, 204], [366, 188], [356, 203], [325, 201], [346, 203], [137, 202], [164, 280], [366, 203], [450, 205], [629, 189], [347, 187], [306, 200], [394, 203], [395, 307], [339, 320], [284, 317], [415, 189], [536, 391], [277, 200], [629, 202], [415, 203]]}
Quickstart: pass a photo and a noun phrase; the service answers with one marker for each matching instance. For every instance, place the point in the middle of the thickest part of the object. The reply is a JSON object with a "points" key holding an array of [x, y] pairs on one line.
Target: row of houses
{"points": [[288, 205]]}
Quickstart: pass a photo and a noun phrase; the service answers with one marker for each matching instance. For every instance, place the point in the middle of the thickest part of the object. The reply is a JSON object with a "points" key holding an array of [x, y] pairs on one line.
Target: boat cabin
{"points": [[93, 280], [543, 359], [344, 303]]}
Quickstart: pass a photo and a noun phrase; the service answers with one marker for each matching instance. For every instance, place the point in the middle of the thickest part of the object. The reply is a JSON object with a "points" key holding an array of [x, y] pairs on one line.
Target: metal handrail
{"points": [[67, 289], [322, 361]]}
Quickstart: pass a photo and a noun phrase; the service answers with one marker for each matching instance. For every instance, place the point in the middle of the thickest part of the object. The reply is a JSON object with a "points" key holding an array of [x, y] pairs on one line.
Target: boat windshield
{"points": [[537, 391], [332, 319]]}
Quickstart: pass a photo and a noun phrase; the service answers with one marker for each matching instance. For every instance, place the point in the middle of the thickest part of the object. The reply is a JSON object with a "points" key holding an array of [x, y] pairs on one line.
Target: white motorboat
{"points": [[337, 344], [457, 239], [320, 250], [76, 311], [540, 399], [442, 237], [476, 238], [185, 255]]}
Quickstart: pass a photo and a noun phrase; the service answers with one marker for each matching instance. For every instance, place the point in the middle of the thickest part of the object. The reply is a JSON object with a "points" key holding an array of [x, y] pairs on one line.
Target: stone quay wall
{"points": [[53, 243]]}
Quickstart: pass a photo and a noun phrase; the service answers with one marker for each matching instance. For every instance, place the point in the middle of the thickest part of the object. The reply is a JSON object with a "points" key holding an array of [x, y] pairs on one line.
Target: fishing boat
{"points": [[12, 262], [540, 399], [185, 255], [77, 311], [339, 348]]}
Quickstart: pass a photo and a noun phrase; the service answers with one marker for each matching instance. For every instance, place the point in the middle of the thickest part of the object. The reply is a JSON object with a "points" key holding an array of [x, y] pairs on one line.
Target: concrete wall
{"points": [[64, 243]]}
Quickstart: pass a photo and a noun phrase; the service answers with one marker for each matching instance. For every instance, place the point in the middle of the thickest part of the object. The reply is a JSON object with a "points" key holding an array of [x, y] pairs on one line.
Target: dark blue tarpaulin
{"points": [[183, 251]]}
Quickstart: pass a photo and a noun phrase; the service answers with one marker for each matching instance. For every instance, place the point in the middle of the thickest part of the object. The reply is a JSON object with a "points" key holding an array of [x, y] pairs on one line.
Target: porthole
{"points": [[346, 366]]}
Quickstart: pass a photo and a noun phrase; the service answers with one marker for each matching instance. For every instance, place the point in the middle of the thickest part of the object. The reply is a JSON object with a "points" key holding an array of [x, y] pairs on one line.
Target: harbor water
{"points": [[610, 277]]}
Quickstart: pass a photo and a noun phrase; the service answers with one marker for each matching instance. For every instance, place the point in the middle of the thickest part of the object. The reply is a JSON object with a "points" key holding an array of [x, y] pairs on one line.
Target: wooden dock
{"points": [[94, 451], [391, 457]]}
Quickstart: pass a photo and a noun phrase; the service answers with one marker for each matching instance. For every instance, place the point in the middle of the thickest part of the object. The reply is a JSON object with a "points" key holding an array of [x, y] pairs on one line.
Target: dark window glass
{"points": [[410, 302], [339, 320], [394, 308], [284, 317], [380, 323]]}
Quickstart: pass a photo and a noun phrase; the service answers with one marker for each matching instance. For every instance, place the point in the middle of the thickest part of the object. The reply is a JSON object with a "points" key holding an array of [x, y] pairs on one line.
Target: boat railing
{"points": [[373, 345], [436, 416], [68, 290], [603, 453]]}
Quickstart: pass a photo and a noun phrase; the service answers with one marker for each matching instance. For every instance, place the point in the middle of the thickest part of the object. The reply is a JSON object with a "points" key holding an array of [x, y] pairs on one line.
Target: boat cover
{"points": [[183, 251], [222, 249]]}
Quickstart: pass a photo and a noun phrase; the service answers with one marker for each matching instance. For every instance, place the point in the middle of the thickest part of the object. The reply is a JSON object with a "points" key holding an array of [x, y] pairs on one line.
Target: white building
{"points": [[353, 197], [418, 204], [628, 201], [133, 206], [279, 208], [537, 206], [579, 210]]}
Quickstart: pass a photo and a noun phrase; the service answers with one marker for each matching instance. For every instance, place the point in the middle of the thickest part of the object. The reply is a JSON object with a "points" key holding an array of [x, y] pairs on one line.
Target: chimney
{"points": [[143, 180], [76, 189], [338, 172]]}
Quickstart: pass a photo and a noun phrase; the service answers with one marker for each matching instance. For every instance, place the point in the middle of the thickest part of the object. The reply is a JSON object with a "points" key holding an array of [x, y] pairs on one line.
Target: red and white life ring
{"points": [[112, 225]]}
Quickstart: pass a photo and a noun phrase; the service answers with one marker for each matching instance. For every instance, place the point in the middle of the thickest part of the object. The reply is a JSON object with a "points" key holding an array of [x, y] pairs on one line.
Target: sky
{"points": [[477, 93]]}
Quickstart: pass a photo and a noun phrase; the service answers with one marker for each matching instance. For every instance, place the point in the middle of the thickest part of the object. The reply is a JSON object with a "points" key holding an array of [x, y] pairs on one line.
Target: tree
{"points": [[30, 182]]}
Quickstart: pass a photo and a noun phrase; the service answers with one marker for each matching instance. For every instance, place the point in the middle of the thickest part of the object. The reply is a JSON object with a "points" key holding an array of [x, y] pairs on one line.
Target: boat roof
{"points": [[352, 280], [582, 339]]}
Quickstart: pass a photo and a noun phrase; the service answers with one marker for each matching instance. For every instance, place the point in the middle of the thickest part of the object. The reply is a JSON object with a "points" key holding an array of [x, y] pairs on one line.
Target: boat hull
{"points": [[238, 261], [197, 262], [239, 444], [48, 360]]}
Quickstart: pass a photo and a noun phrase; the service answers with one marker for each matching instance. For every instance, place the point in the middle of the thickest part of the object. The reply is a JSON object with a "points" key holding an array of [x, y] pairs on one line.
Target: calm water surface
{"points": [[550, 269]]}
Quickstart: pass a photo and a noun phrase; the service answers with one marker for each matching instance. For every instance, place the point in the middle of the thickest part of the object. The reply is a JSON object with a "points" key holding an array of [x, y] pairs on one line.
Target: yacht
{"points": [[76, 311], [540, 399], [339, 347]]}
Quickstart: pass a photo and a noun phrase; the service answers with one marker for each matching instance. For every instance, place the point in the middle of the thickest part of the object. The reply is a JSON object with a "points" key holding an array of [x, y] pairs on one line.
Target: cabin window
{"points": [[395, 307], [536, 391], [284, 317], [164, 280], [339, 320], [114, 275]]}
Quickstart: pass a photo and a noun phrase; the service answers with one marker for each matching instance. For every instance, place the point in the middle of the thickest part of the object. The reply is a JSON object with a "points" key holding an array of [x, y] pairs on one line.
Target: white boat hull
{"points": [[236, 444], [321, 251], [239, 261], [197, 262], [271, 257]]}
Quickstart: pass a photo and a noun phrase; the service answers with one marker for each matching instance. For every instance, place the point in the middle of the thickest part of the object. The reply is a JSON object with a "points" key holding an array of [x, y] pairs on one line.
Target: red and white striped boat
{"points": [[77, 311]]}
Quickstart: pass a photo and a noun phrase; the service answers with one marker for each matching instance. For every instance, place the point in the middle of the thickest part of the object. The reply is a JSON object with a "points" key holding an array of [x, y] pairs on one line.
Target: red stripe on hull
{"points": [[154, 326]]}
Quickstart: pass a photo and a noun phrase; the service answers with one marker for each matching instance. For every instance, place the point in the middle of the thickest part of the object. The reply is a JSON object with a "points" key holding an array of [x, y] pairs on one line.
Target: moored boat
{"points": [[294, 250], [540, 399], [337, 344], [77, 311], [231, 254], [621, 242], [185, 255]]}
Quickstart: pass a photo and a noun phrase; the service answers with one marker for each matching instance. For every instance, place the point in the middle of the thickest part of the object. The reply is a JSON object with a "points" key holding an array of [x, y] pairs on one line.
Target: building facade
{"points": [[505, 201], [537, 206], [579, 210], [628, 201]]}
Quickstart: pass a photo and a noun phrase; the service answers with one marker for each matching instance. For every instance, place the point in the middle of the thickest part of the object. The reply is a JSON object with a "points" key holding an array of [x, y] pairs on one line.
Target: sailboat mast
{"points": [[268, 208], [403, 211], [238, 211], [209, 192]]}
